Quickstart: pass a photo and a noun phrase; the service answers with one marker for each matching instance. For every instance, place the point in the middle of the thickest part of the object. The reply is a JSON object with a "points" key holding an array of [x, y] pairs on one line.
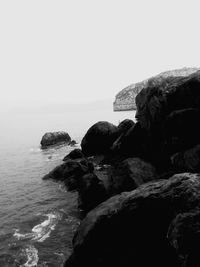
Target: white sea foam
{"points": [[31, 253], [41, 231]]}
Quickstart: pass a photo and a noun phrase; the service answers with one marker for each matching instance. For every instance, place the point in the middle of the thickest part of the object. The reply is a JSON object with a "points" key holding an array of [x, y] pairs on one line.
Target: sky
{"points": [[75, 51]]}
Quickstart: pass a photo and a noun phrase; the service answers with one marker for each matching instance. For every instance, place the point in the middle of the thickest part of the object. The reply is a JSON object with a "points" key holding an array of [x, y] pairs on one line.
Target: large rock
{"points": [[188, 160], [74, 154], [125, 99], [125, 125], [123, 130], [184, 235], [131, 173], [162, 96], [181, 130], [131, 229], [91, 192], [168, 111], [99, 138], [70, 172], [54, 138], [133, 143]]}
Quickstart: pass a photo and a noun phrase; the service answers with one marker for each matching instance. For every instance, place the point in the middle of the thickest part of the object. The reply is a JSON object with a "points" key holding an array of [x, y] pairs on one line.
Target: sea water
{"points": [[38, 218]]}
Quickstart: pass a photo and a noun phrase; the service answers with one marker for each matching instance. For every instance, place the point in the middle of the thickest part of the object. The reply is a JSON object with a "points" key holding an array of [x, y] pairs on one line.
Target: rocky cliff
{"points": [[125, 99]]}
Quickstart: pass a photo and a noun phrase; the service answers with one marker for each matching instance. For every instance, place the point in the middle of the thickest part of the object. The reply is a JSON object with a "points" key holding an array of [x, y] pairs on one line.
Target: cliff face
{"points": [[125, 99]]}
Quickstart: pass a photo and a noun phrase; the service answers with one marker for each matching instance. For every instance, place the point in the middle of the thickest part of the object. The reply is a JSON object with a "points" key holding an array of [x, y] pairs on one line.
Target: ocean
{"points": [[38, 218]]}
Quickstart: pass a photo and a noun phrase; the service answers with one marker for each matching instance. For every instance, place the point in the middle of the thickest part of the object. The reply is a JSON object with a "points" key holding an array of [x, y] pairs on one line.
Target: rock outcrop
{"points": [[125, 99], [55, 138]]}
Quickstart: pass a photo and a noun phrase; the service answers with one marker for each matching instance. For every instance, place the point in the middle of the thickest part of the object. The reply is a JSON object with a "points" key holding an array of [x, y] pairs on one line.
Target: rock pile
{"points": [[139, 183]]}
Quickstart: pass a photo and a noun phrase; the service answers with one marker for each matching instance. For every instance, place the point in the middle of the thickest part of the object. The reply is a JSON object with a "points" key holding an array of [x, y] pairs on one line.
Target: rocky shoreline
{"points": [[138, 183]]}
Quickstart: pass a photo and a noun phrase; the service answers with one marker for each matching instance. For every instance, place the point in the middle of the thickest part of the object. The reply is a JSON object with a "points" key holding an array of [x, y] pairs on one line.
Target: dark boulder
{"points": [[70, 172], [131, 143], [131, 229], [181, 130], [131, 173], [99, 138], [56, 173], [136, 142], [125, 125], [124, 129], [163, 95], [188, 160], [91, 192], [54, 138], [74, 154], [184, 235], [168, 111]]}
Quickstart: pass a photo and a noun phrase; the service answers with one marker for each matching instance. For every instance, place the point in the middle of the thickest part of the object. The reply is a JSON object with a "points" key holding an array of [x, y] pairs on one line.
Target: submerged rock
{"points": [[54, 138], [131, 229], [99, 138]]}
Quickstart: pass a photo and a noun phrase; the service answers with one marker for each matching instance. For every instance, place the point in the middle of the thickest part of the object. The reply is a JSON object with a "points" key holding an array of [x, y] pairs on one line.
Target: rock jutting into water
{"points": [[55, 138], [138, 183], [99, 138], [125, 99]]}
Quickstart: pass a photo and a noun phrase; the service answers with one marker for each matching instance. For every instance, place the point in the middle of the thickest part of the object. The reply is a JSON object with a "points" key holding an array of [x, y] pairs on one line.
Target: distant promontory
{"points": [[125, 99]]}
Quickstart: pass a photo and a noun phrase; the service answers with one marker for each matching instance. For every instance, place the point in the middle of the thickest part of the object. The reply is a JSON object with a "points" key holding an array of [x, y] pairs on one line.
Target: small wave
{"points": [[31, 254], [41, 231]]}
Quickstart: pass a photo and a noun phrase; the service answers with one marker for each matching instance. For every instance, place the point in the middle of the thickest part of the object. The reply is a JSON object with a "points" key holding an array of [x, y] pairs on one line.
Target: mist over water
{"points": [[38, 218], [27, 125]]}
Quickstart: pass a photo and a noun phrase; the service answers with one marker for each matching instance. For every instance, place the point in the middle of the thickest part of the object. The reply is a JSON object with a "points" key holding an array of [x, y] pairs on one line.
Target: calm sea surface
{"points": [[38, 218]]}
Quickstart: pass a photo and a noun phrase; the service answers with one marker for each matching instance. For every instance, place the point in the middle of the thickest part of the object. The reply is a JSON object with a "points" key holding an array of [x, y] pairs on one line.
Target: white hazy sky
{"points": [[75, 50]]}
